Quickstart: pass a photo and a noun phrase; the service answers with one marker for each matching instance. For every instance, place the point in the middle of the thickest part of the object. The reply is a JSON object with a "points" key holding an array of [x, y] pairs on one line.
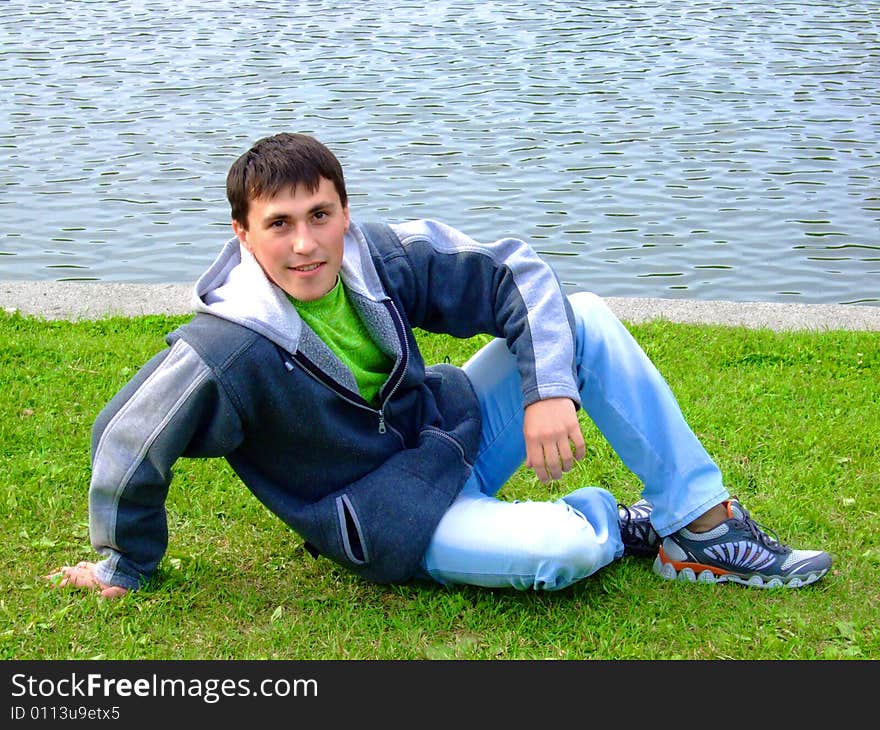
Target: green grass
{"points": [[792, 418]]}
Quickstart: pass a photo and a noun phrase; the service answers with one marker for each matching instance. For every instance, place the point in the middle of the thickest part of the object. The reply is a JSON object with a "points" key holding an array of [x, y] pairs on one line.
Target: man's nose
{"points": [[303, 242]]}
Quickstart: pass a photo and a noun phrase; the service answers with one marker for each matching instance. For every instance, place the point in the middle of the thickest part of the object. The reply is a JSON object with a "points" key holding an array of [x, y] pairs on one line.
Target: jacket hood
{"points": [[235, 288]]}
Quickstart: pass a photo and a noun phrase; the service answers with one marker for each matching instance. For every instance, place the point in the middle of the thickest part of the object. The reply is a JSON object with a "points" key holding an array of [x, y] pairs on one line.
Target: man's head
{"points": [[290, 210], [281, 161]]}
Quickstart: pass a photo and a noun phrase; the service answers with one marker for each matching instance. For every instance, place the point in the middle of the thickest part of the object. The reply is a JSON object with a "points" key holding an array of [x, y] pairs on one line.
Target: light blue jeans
{"points": [[548, 545]]}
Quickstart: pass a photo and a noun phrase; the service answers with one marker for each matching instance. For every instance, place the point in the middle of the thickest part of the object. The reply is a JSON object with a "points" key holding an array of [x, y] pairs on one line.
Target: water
{"points": [[674, 149]]}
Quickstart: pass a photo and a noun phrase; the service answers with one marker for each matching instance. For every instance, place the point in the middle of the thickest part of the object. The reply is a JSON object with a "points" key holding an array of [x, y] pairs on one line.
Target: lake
{"points": [[695, 150]]}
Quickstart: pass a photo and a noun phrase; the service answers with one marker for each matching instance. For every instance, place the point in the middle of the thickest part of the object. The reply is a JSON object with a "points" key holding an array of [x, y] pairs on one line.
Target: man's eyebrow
{"points": [[323, 205], [280, 215]]}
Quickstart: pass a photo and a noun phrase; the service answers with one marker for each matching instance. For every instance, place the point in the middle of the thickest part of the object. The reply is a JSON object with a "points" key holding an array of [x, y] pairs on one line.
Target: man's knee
{"points": [[568, 553], [587, 305]]}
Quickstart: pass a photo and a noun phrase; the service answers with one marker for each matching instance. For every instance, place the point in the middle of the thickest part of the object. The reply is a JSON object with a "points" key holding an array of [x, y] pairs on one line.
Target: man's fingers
{"points": [[58, 577], [541, 472], [113, 592], [81, 576], [535, 460], [580, 448], [565, 455], [553, 460]]}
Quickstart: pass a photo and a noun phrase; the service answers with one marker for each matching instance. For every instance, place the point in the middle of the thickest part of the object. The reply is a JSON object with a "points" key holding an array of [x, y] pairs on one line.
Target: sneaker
{"points": [[738, 551], [639, 537]]}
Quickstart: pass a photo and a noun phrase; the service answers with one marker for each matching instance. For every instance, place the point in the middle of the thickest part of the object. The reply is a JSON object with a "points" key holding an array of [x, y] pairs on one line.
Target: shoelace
{"points": [[633, 531], [763, 535]]}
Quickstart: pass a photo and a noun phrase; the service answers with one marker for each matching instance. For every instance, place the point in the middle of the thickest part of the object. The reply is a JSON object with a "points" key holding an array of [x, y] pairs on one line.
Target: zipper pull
{"points": [[382, 428]]}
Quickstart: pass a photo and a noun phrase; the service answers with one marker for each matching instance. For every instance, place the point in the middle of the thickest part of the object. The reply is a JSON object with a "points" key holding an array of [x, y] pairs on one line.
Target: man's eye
{"points": [[320, 215]]}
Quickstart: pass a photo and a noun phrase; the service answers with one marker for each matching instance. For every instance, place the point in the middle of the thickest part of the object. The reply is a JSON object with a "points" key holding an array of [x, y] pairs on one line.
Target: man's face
{"points": [[297, 238]]}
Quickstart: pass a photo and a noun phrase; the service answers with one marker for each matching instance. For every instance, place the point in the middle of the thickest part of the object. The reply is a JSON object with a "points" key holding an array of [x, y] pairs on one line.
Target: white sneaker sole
{"points": [[687, 575]]}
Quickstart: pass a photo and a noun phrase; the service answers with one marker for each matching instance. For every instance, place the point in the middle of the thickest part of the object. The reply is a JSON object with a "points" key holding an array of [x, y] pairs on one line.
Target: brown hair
{"points": [[281, 161]]}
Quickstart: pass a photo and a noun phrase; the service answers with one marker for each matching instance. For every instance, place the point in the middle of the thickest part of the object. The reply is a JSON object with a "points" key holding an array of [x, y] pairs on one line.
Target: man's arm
{"points": [[461, 287], [152, 421], [450, 283]]}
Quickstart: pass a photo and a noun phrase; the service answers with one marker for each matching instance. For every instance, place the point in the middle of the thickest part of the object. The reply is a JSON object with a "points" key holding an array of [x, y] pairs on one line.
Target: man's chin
{"points": [[309, 293]]}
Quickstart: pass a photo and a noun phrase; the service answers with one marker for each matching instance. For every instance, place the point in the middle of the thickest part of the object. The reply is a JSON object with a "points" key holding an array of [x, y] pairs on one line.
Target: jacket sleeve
{"points": [[450, 283], [173, 407]]}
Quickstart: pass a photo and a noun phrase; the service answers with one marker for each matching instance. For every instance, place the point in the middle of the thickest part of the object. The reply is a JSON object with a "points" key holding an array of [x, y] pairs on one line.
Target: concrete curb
{"points": [[96, 300]]}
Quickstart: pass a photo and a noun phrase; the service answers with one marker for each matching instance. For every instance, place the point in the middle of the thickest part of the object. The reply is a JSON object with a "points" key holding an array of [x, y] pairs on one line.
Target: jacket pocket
{"points": [[353, 541]]}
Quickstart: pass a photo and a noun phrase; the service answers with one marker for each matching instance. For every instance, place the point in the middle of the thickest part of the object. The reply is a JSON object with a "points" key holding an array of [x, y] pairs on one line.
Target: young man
{"points": [[300, 368]]}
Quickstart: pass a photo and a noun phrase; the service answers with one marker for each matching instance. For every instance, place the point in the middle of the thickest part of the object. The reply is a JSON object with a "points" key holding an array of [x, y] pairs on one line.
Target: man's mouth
{"points": [[306, 268]]}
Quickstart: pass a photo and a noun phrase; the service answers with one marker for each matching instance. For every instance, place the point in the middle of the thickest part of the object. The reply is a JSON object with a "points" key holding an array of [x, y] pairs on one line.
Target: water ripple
{"points": [[647, 149]]}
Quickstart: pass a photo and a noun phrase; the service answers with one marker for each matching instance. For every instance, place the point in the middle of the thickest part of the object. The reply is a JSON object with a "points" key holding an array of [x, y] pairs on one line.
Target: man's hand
{"points": [[551, 428], [82, 575]]}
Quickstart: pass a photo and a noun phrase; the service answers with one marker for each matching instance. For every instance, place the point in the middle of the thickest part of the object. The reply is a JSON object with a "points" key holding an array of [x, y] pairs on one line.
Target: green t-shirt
{"points": [[338, 324]]}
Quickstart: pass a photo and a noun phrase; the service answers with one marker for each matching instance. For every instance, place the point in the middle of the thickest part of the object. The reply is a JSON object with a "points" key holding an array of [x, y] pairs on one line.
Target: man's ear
{"points": [[241, 234]]}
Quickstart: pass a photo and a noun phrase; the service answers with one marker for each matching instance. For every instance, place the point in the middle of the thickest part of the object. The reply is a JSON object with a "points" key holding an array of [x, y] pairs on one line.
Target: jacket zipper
{"points": [[404, 360], [348, 396], [355, 398]]}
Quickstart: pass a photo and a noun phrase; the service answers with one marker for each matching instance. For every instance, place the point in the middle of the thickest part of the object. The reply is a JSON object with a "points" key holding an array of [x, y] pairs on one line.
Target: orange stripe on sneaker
{"points": [[680, 565]]}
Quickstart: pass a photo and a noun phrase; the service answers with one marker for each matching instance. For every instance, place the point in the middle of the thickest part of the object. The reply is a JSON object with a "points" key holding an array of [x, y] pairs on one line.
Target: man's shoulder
{"points": [[394, 235], [214, 338], [379, 234]]}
